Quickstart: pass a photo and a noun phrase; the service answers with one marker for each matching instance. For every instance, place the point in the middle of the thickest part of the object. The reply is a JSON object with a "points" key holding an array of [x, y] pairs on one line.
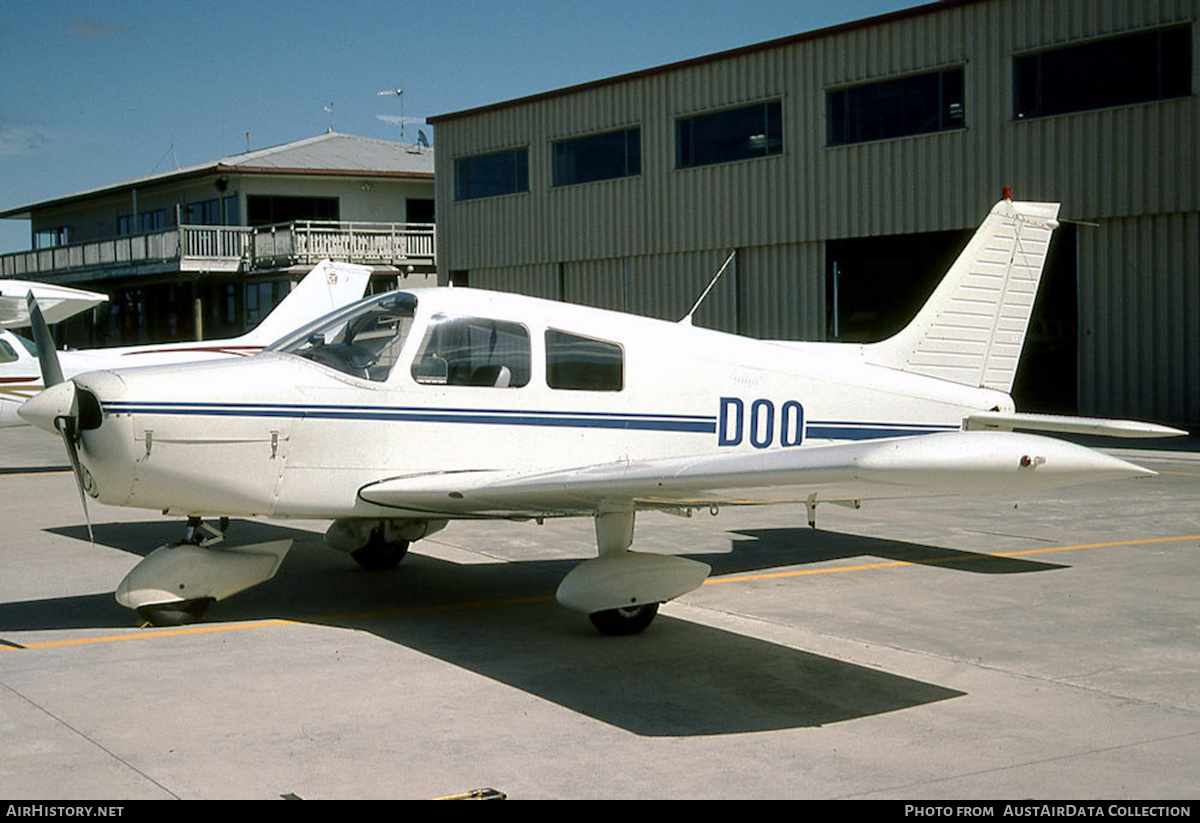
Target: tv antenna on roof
{"points": [[401, 121], [329, 109], [171, 151]]}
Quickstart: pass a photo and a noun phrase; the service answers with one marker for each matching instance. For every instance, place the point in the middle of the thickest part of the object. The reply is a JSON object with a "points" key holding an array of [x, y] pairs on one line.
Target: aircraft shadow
{"points": [[500, 620], [678, 679], [792, 545], [143, 538]]}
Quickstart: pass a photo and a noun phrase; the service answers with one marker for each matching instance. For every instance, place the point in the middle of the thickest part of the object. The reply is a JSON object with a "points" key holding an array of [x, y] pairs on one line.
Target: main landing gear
{"points": [[377, 545], [620, 590], [379, 554], [626, 621]]}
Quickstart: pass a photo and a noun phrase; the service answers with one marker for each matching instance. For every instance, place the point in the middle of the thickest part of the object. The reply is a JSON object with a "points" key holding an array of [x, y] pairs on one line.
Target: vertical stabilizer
{"points": [[327, 287], [973, 327]]}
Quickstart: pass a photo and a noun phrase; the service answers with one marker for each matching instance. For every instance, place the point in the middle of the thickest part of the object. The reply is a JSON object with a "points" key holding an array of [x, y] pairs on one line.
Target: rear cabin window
{"points": [[583, 363], [473, 351]]}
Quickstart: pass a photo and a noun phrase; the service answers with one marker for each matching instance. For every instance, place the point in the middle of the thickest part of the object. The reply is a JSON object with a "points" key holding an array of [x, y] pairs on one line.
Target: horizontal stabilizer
{"points": [[1063, 424]]}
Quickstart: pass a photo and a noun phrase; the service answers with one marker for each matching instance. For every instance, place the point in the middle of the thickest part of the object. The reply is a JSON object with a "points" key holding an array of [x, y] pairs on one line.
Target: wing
{"points": [[949, 463]]}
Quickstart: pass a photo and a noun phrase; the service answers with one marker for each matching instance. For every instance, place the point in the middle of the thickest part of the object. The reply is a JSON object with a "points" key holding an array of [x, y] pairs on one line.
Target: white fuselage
{"points": [[281, 435]]}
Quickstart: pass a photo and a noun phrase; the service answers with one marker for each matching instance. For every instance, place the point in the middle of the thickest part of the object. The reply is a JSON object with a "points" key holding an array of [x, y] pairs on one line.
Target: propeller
{"points": [[58, 403]]}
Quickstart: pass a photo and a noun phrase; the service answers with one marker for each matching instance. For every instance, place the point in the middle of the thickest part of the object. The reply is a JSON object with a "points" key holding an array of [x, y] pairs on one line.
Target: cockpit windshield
{"points": [[362, 340]]}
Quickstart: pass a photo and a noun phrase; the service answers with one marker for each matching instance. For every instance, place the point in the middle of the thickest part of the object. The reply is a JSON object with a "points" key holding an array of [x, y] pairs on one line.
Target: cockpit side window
{"points": [[583, 363], [473, 351], [364, 341], [7, 355]]}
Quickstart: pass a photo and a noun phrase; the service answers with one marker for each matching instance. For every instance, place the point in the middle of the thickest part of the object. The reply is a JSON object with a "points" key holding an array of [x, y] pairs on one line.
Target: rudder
{"points": [[972, 329]]}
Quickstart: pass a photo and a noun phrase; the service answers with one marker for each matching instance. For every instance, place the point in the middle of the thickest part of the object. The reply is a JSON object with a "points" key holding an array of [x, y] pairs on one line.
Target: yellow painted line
{"points": [[34, 472], [150, 634], [958, 558], [210, 628]]}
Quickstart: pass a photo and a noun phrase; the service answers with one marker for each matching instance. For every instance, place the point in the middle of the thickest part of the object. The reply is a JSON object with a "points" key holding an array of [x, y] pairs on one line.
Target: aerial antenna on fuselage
{"points": [[687, 320]]}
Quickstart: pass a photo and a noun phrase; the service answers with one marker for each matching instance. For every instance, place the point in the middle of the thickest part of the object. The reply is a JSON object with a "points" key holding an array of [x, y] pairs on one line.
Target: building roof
{"points": [[881, 19], [329, 154]]}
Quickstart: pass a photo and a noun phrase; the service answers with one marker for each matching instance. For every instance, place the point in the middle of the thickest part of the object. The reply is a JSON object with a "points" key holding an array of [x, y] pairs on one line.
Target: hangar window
{"points": [[594, 157], [473, 351], [583, 363], [491, 175], [903, 106], [1115, 71], [730, 134]]}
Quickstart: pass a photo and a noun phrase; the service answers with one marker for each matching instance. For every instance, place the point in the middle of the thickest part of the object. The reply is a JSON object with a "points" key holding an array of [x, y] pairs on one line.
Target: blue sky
{"points": [[95, 93]]}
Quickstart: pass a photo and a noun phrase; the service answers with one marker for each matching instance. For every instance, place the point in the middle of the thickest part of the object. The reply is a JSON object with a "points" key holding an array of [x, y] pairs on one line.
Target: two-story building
{"points": [[205, 251]]}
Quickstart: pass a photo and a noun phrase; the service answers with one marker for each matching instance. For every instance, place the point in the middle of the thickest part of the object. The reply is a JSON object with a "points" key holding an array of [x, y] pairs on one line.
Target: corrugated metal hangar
{"points": [[848, 166]]}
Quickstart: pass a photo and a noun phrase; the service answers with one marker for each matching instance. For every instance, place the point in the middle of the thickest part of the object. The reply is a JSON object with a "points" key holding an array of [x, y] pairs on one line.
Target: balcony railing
{"points": [[230, 248], [310, 241]]}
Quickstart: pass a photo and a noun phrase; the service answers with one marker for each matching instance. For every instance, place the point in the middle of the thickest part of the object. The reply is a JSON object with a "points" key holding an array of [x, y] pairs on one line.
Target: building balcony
{"points": [[226, 249]]}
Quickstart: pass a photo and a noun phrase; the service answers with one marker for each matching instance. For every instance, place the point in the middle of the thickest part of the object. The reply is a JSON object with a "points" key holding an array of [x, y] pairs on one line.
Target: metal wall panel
{"points": [[1139, 306], [1131, 165], [534, 281]]}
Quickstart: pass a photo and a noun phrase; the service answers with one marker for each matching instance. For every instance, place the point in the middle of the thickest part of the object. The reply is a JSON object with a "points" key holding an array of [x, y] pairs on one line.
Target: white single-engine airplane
{"points": [[327, 287], [407, 410]]}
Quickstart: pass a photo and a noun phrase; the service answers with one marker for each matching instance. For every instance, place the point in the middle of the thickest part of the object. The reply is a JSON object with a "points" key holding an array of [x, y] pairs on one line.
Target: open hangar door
{"points": [[875, 285]]}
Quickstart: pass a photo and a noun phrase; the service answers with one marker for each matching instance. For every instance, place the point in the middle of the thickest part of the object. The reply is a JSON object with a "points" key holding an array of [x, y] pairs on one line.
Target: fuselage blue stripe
{"points": [[699, 424], [869, 431], [648, 422]]}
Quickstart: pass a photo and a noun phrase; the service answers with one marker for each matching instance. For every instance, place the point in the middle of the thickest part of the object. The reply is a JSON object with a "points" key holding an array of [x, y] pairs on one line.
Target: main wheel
{"points": [[378, 554], [180, 613], [627, 621]]}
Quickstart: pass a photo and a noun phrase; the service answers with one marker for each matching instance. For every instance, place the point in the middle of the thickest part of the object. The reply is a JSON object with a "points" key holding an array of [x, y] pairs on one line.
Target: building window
{"points": [[1116, 71], [419, 210], [49, 238], [204, 213], [491, 175], [147, 221], [583, 363], [730, 134], [152, 220], [269, 209], [916, 104], [594, 157]]}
